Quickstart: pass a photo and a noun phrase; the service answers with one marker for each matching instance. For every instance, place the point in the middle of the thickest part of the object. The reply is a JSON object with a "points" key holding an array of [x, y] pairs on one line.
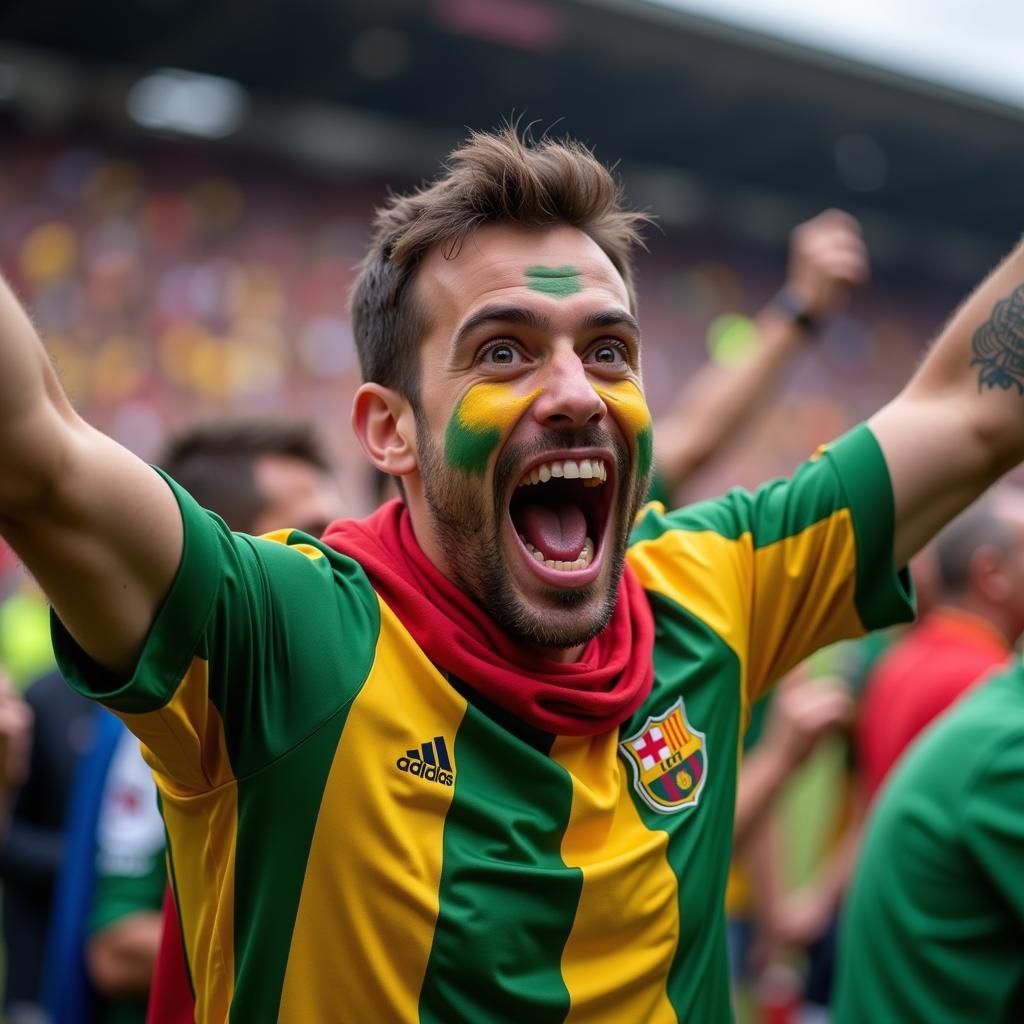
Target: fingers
{"points": [[805, 712], [828, 257]]}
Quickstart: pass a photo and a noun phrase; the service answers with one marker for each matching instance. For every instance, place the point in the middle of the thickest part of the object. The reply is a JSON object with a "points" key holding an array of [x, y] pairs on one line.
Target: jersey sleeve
{"points": [[789, 568], [258, 642]]}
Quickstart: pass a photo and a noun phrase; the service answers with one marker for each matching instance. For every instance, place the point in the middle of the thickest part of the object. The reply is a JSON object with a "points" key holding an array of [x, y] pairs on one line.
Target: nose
{"points": [[568, 398]]}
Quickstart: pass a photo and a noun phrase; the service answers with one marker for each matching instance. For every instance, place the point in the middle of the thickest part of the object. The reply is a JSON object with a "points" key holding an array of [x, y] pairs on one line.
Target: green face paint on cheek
{"points": [[486, 413], [626, 398], [556, 281]]}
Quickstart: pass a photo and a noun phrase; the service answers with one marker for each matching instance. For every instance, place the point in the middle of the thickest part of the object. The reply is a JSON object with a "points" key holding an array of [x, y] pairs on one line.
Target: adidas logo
{"points": [[430, 762]]}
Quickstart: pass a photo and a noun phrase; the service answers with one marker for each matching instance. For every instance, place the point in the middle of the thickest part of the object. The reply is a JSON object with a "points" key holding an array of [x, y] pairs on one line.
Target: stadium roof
{"points": [[672, 94]]}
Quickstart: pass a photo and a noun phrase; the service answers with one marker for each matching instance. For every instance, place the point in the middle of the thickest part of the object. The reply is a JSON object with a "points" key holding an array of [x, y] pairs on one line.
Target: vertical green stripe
{"points": [[281, 802], [507, 900], [692, 660], [883, 596]]}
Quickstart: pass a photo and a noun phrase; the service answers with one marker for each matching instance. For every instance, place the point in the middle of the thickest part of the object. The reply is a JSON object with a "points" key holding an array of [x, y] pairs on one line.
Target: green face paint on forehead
{"points": [[628, 401], [485, 414], [556, 281]]}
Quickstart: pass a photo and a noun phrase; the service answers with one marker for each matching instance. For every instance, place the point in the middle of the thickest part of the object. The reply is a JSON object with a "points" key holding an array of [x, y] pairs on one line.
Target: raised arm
{"points": [[98, 528], [827, 258], [959, 424]]}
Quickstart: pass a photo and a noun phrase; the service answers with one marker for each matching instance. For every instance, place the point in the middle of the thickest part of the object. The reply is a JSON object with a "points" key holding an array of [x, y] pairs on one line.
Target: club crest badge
{"points": [[669, 761]]}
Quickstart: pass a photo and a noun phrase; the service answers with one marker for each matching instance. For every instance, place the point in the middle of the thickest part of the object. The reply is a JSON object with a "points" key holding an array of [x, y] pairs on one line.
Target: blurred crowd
{"points": [[170, 283]]}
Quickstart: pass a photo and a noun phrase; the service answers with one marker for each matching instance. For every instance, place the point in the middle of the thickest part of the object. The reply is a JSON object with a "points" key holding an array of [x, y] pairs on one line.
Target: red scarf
{"points": [[583, 698]]}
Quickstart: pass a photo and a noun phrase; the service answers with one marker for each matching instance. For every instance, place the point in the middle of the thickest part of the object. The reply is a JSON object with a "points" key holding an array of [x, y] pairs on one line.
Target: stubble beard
{"points": [[470, 535]]}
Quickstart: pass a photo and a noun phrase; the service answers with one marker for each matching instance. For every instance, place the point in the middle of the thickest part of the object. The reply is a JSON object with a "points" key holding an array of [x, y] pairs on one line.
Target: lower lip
{"points": [[563, 578]]}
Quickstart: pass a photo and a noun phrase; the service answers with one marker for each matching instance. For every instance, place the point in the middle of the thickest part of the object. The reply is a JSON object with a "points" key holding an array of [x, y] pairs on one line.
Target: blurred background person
{"points": [[934, 926], [827, 262], [258, 474], [973, 629], [31, 853]]}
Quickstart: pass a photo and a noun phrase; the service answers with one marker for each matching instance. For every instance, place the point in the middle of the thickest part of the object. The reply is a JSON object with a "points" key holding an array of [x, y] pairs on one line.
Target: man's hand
{"points": [[802, 712], [827, 260]]}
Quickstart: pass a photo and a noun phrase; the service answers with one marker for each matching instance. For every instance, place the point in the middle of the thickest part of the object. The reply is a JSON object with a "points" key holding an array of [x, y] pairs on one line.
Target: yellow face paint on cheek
{"points": [[630, 406], [485, 415]]}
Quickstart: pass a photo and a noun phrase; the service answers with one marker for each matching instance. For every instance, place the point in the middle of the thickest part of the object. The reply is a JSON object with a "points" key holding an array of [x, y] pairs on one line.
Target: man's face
{"points": [[533, 437], [296, 494]]}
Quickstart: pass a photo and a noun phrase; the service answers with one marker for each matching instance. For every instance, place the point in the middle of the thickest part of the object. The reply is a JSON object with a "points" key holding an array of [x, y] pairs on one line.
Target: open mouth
{"points": [[559, 512]]}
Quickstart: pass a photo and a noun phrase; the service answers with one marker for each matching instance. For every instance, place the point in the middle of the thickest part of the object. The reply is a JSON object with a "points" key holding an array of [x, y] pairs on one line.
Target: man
{"points": [[933, 929], [257, 473], [973, 630], [481, 765]]}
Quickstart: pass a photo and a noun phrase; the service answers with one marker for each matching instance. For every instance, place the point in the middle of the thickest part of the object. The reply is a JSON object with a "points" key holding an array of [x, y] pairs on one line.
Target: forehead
{"points": [[501, 262]]}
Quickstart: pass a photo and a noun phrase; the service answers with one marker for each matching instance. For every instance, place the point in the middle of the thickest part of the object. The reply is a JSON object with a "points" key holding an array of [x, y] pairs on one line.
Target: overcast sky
{"points": [[974, 45]]}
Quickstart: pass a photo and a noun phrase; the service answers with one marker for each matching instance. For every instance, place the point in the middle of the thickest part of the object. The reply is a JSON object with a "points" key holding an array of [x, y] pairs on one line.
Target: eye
{"points": [[610, 353], [501, 353]]}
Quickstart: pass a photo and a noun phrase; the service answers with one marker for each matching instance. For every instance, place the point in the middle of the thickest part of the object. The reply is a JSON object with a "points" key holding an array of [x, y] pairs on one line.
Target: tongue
{"points": [[557, 533]]}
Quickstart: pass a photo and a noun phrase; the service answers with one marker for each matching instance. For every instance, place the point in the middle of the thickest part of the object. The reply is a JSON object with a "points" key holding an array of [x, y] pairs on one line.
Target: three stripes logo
{"points": [[430, 762]]}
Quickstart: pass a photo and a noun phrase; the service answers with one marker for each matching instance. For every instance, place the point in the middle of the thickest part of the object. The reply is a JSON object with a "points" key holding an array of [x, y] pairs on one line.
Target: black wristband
{"points": [[786, 302]]}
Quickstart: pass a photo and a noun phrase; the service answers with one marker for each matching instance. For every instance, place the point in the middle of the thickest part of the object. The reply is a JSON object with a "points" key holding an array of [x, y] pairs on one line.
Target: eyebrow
{"points": [[523, 317]]}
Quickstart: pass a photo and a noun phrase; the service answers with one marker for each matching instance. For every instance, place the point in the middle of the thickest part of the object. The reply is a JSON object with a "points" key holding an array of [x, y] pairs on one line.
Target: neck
{"points": [[995, 618]]}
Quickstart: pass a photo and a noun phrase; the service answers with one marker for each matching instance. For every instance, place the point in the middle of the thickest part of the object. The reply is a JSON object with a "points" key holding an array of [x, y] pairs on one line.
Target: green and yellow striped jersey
{"points": [[355, 837]]}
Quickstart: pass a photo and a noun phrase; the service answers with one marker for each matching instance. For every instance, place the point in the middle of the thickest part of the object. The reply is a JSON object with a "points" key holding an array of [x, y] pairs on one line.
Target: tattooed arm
{"points": [[959, 424]]}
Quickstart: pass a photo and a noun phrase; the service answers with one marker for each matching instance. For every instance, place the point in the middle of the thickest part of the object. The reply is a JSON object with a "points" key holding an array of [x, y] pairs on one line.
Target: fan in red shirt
{"points": [[973, 629]]}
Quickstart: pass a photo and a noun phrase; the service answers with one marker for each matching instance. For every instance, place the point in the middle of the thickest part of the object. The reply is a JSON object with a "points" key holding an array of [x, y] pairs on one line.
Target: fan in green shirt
{"points": [[934, 928]]}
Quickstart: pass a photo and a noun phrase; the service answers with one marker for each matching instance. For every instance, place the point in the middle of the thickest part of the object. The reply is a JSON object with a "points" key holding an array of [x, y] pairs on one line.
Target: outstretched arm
{"points": [[959, 424], [98, 528], [827, 258]]}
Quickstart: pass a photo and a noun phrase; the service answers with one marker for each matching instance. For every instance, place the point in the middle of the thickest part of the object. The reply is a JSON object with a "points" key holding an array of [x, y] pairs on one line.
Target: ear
{"points": [[386, 427], [987, 575]]}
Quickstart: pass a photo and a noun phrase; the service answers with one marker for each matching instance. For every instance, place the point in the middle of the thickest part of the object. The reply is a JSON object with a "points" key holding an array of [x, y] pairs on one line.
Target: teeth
{"points": [[592, 472], [586, 557]]}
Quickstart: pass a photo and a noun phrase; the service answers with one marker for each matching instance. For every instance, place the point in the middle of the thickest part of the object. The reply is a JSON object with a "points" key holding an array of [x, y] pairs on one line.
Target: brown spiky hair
{"points": [[493, 178]]}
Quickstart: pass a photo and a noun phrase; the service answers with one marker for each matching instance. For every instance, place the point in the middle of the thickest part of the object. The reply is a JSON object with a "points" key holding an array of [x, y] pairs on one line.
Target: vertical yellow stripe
{"points": [[792, 621], [199, 797], [616, 961], [203, 830], [371, 888]]}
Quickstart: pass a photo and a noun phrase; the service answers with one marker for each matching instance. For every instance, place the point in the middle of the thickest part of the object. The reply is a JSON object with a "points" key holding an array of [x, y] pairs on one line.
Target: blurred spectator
{"points": [[34, 846], [980, 617], [934, 926], [827, 259]]}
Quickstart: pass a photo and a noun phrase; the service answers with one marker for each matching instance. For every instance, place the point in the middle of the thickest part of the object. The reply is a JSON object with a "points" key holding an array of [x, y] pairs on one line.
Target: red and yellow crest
{"points": [[669, 761]]}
